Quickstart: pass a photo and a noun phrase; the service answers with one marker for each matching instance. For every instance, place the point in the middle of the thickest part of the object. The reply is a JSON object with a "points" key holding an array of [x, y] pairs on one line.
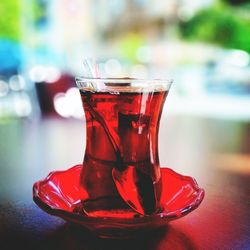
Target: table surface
{"points": [[215, 152]]}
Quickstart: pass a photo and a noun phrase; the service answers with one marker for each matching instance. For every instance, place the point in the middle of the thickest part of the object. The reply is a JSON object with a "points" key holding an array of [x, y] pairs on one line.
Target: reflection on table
{"points": [[215, 152]]}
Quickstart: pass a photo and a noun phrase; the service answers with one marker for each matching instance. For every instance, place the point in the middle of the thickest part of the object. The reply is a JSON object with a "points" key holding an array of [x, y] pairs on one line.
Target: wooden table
{"points": [[215, 152]]}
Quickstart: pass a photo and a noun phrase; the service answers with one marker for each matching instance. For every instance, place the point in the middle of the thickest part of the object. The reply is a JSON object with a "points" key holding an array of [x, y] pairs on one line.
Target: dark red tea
{"points": [[122, 133]]}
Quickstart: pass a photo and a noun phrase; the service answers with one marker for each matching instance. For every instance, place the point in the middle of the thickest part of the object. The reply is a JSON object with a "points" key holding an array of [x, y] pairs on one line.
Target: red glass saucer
{"points": [[60, 193]]}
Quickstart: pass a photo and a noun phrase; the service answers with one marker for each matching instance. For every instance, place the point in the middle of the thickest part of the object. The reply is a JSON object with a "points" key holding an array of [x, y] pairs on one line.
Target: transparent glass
{"points": [[60, 194], [121, 168]]}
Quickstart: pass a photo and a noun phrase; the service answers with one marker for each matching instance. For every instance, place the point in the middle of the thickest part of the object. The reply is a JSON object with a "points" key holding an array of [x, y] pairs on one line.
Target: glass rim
{"points": [[122, 84], [118, 80]]}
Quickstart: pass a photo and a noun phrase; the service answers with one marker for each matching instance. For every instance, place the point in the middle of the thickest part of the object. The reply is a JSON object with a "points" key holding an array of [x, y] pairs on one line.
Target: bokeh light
{"points": [[202, 45]]}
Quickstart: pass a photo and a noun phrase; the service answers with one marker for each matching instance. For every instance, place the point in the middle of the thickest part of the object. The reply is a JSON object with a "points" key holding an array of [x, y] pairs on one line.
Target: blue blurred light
{"points": [[10, 57]]}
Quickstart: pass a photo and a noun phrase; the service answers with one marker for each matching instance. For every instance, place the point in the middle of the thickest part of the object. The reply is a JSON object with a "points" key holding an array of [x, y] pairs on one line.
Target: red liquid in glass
{"points": [[122, 135]]}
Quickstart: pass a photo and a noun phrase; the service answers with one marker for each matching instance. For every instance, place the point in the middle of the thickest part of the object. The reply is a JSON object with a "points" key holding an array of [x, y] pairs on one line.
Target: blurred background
{"points": [[203, 45]]}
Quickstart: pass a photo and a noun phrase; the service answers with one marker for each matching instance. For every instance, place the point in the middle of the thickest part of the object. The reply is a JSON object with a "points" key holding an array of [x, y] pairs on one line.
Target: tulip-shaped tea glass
{"points": [[121, 169]]}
